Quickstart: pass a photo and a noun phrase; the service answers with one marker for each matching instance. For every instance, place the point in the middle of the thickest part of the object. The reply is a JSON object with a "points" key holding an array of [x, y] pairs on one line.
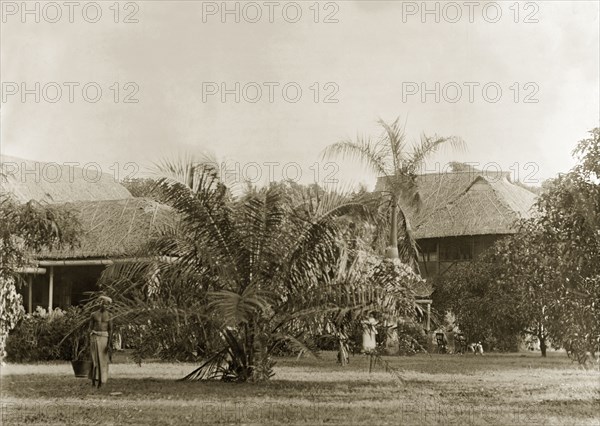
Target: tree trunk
{"points": [[542, 345], [391, 252], [542, 338]]}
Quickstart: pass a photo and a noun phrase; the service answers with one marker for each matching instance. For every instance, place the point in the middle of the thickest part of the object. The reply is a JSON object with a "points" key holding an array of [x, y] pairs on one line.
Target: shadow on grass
{"points": [[299, 377]]}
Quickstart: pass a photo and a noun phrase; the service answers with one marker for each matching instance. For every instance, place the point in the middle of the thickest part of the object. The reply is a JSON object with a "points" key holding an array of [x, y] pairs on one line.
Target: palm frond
{"points": [[212, 368], [295, 343], [395, 139], [260, 224], [234, 308], [407, 247], [363, 151], [428, 146], [206, 219], [192, 171]]}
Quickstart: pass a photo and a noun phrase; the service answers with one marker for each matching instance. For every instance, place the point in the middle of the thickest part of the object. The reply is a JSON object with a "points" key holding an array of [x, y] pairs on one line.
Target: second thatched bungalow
{"points": [[462, 214]]}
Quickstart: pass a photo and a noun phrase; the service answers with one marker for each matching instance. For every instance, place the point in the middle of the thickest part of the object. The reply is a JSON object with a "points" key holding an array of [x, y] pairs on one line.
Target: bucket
{"points": [[81, 368]]}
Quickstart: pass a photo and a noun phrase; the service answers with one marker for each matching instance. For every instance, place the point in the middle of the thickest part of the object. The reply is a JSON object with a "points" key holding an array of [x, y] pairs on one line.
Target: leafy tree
{"points": [[545, 279], [486, 309], [510, 291], [529, 270], [570, 220], [390, 157], [262, 271]]}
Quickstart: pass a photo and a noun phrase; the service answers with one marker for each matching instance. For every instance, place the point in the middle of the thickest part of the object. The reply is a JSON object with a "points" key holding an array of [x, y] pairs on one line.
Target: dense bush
{"points": [[11, 310], [412, 338], [46, 336], [168, 340]]}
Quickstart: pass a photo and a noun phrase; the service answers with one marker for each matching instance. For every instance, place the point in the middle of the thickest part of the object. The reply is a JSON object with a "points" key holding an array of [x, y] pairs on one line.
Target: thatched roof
{"points": [[56, 183], [116, 228], [467, 203]]}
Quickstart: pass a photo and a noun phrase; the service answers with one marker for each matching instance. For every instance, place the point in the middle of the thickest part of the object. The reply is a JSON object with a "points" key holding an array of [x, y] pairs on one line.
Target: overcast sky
{"points": [[371, 61]]}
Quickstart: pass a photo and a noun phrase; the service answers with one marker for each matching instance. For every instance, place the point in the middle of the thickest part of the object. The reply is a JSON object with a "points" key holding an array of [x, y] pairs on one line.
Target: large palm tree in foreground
{"points": [[251, 273], [390, 157]]}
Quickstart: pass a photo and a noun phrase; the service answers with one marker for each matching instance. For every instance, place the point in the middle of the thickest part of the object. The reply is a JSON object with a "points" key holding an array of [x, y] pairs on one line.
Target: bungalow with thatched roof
{"points": [[462, 214], [115, 227]]}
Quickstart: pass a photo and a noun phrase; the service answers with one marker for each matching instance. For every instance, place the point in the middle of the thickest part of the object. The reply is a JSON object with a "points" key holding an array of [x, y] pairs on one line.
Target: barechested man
{"points": [[100, 341]]}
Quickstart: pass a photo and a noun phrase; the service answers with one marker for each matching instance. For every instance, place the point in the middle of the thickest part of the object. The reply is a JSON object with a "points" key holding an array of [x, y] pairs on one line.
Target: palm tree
{"points": [[390, 158], [256, 271]]}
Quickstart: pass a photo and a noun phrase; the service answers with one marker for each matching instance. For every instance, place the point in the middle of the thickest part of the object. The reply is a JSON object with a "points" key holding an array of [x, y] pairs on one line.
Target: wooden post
{"points": [[428, 317], [437, 251], [30, 294], [50, 288]]}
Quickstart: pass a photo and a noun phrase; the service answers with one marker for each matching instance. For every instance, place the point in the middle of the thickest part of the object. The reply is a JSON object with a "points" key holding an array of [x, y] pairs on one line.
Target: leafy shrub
{"points": [[503, 343], [46, 336], [412, 338], [11, 310], [168, 340]]}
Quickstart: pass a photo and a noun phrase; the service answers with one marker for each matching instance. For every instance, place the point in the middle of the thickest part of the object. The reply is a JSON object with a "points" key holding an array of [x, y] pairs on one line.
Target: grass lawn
{"points": [[439, 389]]}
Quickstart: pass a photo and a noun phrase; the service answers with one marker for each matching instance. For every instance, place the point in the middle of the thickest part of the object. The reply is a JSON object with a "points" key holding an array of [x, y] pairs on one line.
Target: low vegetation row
{"points": [[62, 335]]}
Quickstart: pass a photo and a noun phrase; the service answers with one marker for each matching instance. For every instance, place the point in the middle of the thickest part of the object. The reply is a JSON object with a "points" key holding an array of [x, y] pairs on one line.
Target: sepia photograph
{"points": [[311, 212]]}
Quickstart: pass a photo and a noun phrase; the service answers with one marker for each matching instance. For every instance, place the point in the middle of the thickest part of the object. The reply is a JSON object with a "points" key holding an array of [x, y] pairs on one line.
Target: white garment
{"points": [[369, 335]]}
